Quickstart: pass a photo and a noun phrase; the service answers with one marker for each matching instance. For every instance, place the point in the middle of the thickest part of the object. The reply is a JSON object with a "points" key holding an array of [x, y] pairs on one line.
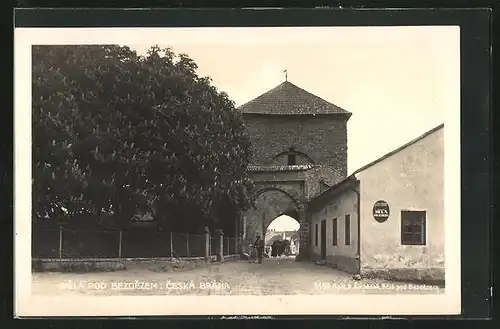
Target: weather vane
{"points": [[286, 74]]}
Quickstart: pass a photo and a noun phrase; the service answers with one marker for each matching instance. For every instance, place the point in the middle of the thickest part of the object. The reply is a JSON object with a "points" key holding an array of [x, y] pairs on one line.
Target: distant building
{"points": [[272, 235], [387, 218]]}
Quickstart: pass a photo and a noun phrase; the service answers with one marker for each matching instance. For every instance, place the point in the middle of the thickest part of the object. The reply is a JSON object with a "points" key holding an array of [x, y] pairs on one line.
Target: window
{"points": [[334, 231], [347, 230], [316, 235], [291, 160], [413, 227]]}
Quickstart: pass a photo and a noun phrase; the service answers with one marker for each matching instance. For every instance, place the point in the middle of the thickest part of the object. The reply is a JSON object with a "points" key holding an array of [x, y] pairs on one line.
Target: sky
{"points": [[284, 223], [398, 82]]}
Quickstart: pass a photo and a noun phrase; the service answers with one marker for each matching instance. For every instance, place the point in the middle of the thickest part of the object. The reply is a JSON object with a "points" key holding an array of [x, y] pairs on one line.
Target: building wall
{"points": [[341, 256], [306, 183], [322, 138], [298, 184], [411, 179]]}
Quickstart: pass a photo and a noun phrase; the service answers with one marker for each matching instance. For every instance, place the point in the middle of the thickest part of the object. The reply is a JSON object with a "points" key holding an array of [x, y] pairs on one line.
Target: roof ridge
{"points": [[400, 148], [290, 99], [271, 168], [311, 94], [352, 177]]}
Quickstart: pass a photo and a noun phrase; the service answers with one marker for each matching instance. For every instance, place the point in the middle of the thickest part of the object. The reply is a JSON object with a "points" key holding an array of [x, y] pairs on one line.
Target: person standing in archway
{"points": [[259, 246], [274, 250]]}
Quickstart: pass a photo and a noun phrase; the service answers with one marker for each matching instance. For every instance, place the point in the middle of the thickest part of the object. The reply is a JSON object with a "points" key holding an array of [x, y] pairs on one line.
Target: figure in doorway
{"points": [[276, 248], [259, 247]]}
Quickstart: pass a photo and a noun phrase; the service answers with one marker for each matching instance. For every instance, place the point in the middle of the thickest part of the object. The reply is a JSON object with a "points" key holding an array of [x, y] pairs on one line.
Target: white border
{"points": [[356, 304]]}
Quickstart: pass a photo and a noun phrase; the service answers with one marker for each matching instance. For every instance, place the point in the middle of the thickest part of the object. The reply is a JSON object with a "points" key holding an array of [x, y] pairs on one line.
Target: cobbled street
{"points": [[281, 276]]}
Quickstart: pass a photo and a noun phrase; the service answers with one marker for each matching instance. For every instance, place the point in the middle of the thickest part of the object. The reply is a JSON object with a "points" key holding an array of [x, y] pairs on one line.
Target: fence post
{"points": [[220, 252], [236, 244], [60, 241], [187, 244], [207, 244], [171, 246], [120, 245], [237, 233], [210, 253]]}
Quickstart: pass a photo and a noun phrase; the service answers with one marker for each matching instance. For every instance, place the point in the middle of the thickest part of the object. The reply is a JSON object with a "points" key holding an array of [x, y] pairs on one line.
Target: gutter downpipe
{"points": [[358, 256]]}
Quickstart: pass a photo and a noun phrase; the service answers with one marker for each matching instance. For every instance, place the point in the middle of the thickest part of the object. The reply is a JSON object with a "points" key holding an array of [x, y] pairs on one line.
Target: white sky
{"points": [[396, 81], [284, 223]]}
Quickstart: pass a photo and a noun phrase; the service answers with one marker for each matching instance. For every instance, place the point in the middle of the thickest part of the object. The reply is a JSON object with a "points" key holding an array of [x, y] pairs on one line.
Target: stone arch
{"points": [[273, 188], [295, 190], [271, 202], [303, 158], [293, 215]]}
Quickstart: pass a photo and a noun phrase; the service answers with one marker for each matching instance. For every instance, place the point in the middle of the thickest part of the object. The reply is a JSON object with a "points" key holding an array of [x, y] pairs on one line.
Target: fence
{"points": [[68, 243], [230, 246]]}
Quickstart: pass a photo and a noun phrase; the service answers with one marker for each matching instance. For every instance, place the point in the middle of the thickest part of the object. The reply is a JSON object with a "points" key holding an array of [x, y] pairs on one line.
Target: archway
{"points": [[270, 204], [283, 233], [291, 157]]}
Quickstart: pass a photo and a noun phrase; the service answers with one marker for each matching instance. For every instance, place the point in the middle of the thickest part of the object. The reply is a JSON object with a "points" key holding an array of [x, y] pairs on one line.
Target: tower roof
{"points": [[288, 99]]}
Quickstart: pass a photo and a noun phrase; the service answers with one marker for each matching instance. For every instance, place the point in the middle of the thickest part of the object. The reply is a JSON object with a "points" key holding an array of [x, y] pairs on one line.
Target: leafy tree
{"points": [[116, 134]]}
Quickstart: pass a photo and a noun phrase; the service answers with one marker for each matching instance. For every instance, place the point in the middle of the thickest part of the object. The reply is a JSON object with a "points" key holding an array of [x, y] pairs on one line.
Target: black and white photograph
{"points": [[276, 170]]}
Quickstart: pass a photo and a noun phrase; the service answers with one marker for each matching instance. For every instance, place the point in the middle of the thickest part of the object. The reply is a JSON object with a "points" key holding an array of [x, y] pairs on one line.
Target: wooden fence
{"points": [[70, 243]]}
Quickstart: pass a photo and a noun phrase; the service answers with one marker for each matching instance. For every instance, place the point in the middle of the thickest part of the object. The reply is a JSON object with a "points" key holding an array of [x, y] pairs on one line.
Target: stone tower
{"points": [[299, 146]]}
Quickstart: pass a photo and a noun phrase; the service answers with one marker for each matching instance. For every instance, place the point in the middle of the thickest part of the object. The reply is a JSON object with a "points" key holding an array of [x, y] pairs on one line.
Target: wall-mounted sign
{"points": [[381, 211]]}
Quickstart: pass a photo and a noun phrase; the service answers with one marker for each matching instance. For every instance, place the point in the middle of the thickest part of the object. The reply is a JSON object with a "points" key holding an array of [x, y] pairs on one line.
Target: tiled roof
{"points": [[280, 168], [334, 178], [288, 99]]}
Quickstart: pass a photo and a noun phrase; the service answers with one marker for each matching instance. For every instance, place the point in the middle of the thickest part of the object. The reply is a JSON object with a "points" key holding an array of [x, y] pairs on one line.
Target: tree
{"points": [[116, 134]]}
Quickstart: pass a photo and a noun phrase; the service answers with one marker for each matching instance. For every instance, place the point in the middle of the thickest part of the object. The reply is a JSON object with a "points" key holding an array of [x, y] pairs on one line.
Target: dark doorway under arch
{"points": [[270, 204]]}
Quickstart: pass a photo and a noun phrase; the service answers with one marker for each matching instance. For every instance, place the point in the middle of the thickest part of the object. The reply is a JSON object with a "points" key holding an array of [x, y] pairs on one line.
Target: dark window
{"points": [[347, 230], [316, 235], [334, 231], [413, 227], [291, 160]]}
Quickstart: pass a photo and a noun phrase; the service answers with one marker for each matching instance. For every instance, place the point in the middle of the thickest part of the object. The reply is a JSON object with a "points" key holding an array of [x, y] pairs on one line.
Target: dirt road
{"points": [[282, 276]]}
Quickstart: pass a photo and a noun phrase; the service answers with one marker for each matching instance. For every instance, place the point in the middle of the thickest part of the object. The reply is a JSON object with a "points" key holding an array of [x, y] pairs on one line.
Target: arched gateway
{"points": [[299, 147]]}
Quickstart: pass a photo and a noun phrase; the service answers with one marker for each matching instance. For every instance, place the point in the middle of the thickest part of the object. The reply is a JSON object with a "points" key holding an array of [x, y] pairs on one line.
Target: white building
{"points": [[387, 218]]}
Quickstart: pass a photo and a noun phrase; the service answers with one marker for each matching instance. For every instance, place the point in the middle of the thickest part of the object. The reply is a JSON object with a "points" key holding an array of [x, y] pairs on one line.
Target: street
{"points": [[276, 276]]}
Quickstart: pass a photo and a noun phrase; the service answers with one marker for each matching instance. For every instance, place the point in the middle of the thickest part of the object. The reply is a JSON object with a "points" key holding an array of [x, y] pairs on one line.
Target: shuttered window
{"points": [[413, 227], [316, 235], [347, 230], [334, 231]]}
